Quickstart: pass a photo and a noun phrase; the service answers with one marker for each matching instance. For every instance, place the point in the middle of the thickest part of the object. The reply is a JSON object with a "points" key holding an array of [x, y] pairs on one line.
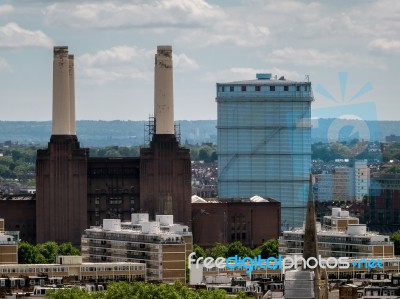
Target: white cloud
{"points": [[196, 22], [116, 14], [182, 63], [314, 57], [124, 62], [228, 32], [4, 65], [387, 46], [5, 9], [13, 36]]}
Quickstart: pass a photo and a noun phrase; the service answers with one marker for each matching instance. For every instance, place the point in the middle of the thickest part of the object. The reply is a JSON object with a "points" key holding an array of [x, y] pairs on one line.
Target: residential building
{"points": [[355, 242], [22, 277], [343, 183], [8, 245], [264, 142], [162, 245], [339, 220], [324, 184], [361, 179], [252, 221]]}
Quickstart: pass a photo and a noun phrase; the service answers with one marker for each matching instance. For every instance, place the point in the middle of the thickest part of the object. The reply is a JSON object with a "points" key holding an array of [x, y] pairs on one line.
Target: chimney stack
{"points": [[61, 92], [72, 126], [163, 91]]}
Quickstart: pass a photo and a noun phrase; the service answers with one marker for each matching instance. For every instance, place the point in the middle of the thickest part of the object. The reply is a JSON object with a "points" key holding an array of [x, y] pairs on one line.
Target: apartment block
{"points": [[162, 245], [340, 236]]}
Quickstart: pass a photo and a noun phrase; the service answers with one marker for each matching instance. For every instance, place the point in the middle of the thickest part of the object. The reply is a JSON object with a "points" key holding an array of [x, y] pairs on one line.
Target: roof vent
{"points": [[264, 76]]}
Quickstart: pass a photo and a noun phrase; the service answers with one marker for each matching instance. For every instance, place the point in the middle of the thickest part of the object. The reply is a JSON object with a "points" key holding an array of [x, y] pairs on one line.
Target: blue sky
{"points": [[114, 43]]}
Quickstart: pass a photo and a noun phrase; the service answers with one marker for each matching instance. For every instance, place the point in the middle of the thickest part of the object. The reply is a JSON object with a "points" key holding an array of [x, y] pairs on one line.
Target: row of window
{"points": [[258, 88]]}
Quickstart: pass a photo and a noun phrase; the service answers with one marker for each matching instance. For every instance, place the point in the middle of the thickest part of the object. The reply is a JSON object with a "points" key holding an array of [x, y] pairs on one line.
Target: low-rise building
{"points": [[162, 245], [22, 277], [252, 221], [8, 245]]}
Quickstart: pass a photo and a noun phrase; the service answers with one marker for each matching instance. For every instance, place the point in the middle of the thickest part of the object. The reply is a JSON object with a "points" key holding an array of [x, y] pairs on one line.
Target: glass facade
{"points": [[264, 142]]}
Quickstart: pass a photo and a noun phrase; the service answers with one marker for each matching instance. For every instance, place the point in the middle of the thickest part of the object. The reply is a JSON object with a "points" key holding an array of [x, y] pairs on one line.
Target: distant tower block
{"points": [[163, 91], [61, 92], [72, 127]]}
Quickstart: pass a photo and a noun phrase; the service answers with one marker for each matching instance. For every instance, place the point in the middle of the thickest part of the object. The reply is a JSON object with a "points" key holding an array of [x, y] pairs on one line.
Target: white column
{"points": [[61, 98], [163, 91], [72, 126]]}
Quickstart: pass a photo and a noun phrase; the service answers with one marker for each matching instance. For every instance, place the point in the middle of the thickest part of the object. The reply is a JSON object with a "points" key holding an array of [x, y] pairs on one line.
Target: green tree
{"points": [[395, 238], [237, 248], [49, 250], [68, 249], [70, 293], [270, 248], [29, 254], [200, 252], [219, 250]]}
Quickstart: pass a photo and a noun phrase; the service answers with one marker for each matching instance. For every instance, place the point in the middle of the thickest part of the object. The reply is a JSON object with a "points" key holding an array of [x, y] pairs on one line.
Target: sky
{"points": [[349, 50]]}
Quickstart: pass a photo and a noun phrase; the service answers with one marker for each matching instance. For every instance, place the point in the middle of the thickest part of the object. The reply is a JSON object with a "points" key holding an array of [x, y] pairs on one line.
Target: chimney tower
{"points": [[163, 91], [72, 126], [61, 92]]}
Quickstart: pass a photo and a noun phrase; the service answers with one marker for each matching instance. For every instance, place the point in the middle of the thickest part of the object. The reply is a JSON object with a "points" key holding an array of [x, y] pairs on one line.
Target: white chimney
{"points": [[61, 92], [72, 126], [163, 91]]}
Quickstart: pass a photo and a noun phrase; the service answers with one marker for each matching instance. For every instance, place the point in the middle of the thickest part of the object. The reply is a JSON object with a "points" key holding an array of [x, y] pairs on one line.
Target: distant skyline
{"points": [[114, 43]]}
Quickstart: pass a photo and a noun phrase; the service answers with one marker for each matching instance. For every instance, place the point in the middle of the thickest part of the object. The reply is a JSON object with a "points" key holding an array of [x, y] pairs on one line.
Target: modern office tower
{"points": [[165, 167], [264, 142], [61, 169], [162, 245]]}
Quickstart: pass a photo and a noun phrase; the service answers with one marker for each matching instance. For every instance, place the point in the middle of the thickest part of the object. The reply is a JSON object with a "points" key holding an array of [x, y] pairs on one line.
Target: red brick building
{"points": [[250, 221]]}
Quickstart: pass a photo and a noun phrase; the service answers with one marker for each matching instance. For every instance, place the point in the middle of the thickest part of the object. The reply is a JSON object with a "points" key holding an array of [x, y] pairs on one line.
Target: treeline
{"points": [[142, 290], [17, 162], [328, 152], [207, 153], [267, 249], [44, 253]]}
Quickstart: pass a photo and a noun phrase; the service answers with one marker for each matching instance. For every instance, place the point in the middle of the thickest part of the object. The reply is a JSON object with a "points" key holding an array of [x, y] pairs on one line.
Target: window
{"points": [[305, 88], [285, 88], [243, 88], [258, 88], [298, 88], [231, 88], [272, 88], [222, 88]]}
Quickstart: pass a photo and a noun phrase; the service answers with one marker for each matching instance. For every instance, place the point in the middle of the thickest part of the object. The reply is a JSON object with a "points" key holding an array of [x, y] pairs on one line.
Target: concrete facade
{"points": [[162, 245]]}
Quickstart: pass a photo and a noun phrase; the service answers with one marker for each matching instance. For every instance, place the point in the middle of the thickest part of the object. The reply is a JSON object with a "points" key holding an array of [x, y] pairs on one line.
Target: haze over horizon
{"points": [[349, 50]]}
